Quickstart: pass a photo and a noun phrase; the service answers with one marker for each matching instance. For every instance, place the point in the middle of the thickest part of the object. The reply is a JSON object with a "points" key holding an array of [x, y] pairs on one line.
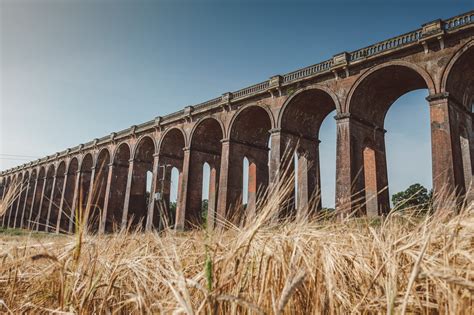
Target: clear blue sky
{"points": [[72, 70]]}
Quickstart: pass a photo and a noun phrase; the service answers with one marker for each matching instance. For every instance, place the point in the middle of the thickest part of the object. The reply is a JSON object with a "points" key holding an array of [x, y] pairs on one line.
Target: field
{"points": [[403, 263]]}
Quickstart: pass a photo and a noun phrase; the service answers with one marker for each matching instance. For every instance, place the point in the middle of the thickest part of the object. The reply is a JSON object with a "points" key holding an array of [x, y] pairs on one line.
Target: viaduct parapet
{"points": [[261, 123]]}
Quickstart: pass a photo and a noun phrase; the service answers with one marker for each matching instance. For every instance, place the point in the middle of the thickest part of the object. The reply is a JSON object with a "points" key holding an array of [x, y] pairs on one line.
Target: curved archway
{"points": [[118, 187], [99, 191], [458, 84], [43, 222], [171, 157], [17, 222], [249, 136], [140, 191], [30, 195], [300, 121], [38, 199], [56, 193], [369, 101], [17, 181], [84, 202], [68, 207], [205, 147]]}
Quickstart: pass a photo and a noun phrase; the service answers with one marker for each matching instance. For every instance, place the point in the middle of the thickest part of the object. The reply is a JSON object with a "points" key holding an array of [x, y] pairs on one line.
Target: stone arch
{"points": [[118, 188], [30, 199], [140, 191], [69, 206], [38, 198], [56, 195], [205, 147], [458, 85], [171, 156], [85, 181], [368, 102], [18, 180], [413, 77], [244, 109], [320, 89], [19, 214], [249, 136], [299, 122], [46, 198], [99, 190], [140, 140], [450, 83]]}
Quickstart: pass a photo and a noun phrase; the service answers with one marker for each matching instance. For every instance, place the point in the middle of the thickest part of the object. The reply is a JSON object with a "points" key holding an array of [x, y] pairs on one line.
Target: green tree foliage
{"points": [[415, 197]]}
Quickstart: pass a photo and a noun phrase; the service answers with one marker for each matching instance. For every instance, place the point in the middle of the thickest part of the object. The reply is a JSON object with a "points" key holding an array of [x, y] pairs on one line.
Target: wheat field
{"points": [[403, 263]]}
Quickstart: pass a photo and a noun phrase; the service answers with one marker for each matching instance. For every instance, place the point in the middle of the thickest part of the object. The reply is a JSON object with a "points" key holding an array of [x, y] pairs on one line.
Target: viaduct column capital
{"points": [[435, 99]]}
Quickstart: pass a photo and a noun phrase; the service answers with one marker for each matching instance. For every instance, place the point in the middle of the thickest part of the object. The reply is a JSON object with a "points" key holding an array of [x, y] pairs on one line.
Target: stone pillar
{"points": [[127, 194], [212, 202], [308, 177], [61, 203], [230, 181], [51, 201], [103, 219], [446, 115], [361, 168], [150, 220], [183, 192]]}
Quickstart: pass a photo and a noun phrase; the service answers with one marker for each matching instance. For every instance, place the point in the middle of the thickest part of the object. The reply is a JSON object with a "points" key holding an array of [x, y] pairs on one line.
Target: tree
{"points": [[415, 196]]}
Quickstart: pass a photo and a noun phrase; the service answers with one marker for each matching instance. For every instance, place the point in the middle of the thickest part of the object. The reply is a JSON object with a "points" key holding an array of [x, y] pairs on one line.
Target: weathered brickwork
{"points": [[261, 123]]}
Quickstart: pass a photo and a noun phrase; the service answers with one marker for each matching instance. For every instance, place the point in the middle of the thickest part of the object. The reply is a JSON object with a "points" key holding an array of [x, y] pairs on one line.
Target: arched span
{"points": [[382, 85], [320, 89], [458, 77], [139, 144], [173, 133], [103, 154], [86, 157], [304, 112], [251, 123], [207, 134], [120, 148]]}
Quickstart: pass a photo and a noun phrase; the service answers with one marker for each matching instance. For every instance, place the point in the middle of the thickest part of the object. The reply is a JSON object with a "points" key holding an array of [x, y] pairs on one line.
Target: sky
{"points": [[75, 70]]}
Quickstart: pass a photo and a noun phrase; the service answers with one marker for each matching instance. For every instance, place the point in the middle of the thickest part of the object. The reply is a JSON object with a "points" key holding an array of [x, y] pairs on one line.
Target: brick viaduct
{"points": [[259, 123]]}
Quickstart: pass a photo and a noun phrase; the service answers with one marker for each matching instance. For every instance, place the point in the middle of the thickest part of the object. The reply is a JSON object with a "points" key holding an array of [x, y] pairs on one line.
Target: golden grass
{"points": [[405, 263]]}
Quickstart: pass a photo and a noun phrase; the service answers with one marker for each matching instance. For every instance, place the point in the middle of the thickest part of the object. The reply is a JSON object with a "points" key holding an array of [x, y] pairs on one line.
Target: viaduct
{"points": [[260, 123]]}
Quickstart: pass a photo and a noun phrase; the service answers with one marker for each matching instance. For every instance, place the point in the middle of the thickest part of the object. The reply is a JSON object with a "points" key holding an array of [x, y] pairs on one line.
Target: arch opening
{"points": [[205, 149], [95, 215], [29, 199], [35, 213], [66, 220], [17, 223], [46, 199], [170, 167], [56, 197], [301, 120], [249, 138], [139, 199], [369, 105], [84, 202], [118, 188], [459, 84]]}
